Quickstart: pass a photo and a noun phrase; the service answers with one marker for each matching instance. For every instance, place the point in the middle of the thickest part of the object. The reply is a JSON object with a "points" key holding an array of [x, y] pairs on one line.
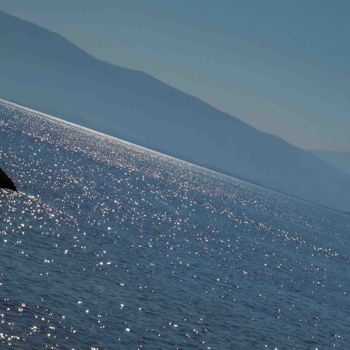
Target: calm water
{"points": [[110, 246]]}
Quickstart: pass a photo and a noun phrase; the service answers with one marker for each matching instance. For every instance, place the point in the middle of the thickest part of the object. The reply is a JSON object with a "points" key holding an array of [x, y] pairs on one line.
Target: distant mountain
{"points": [[340, 160], [42, 70]]}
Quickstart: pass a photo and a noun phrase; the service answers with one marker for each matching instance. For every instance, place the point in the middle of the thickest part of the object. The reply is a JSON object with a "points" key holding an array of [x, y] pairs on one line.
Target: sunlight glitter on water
{"points": [[112, 246]]}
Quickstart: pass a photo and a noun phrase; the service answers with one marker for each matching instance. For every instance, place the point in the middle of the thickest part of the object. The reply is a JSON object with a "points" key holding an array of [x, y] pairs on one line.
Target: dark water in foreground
{"points": [[110, 246]]}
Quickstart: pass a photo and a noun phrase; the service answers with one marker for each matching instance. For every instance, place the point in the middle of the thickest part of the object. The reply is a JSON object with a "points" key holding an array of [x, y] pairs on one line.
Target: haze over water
{"points": [[111, 246]]}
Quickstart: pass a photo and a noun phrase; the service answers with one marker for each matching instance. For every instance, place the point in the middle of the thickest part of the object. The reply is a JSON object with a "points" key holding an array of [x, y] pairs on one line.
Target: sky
{"points": [[282, 66]]}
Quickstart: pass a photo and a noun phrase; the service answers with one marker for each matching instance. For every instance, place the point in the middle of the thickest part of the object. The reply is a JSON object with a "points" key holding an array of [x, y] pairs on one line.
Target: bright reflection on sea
{"points": [[110, 246]]}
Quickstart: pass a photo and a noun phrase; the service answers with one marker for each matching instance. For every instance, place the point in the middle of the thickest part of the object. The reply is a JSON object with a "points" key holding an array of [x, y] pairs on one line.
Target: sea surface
{"points": [[108, 245]]}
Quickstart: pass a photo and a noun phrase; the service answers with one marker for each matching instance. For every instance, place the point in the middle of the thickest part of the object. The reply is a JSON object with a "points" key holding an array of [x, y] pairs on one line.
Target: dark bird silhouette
{"points": [[6, 182]]}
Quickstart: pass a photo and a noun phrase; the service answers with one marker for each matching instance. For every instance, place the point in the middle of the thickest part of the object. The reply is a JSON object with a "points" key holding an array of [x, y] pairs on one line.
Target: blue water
{"points": [[111, 246]]}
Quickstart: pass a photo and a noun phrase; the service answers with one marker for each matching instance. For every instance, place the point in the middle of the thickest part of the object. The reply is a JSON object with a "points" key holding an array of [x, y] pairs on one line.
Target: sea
{"points": [[108, 245]]}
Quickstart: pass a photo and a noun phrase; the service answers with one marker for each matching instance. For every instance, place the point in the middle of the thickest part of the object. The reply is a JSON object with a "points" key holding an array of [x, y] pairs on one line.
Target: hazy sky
{"points": [[280, 65]]}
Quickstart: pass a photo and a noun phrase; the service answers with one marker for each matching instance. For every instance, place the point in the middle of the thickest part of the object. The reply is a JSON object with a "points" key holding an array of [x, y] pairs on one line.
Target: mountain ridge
{"points": [[338, 159], [44, 71]]}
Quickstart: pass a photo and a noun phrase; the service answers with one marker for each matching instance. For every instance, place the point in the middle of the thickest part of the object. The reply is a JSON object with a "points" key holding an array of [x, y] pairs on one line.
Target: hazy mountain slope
{"points": [[340, 160], [44, 71]]}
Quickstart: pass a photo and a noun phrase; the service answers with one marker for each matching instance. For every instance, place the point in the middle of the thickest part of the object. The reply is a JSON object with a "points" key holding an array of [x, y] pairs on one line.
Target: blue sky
{"points": [[282, 66]]}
